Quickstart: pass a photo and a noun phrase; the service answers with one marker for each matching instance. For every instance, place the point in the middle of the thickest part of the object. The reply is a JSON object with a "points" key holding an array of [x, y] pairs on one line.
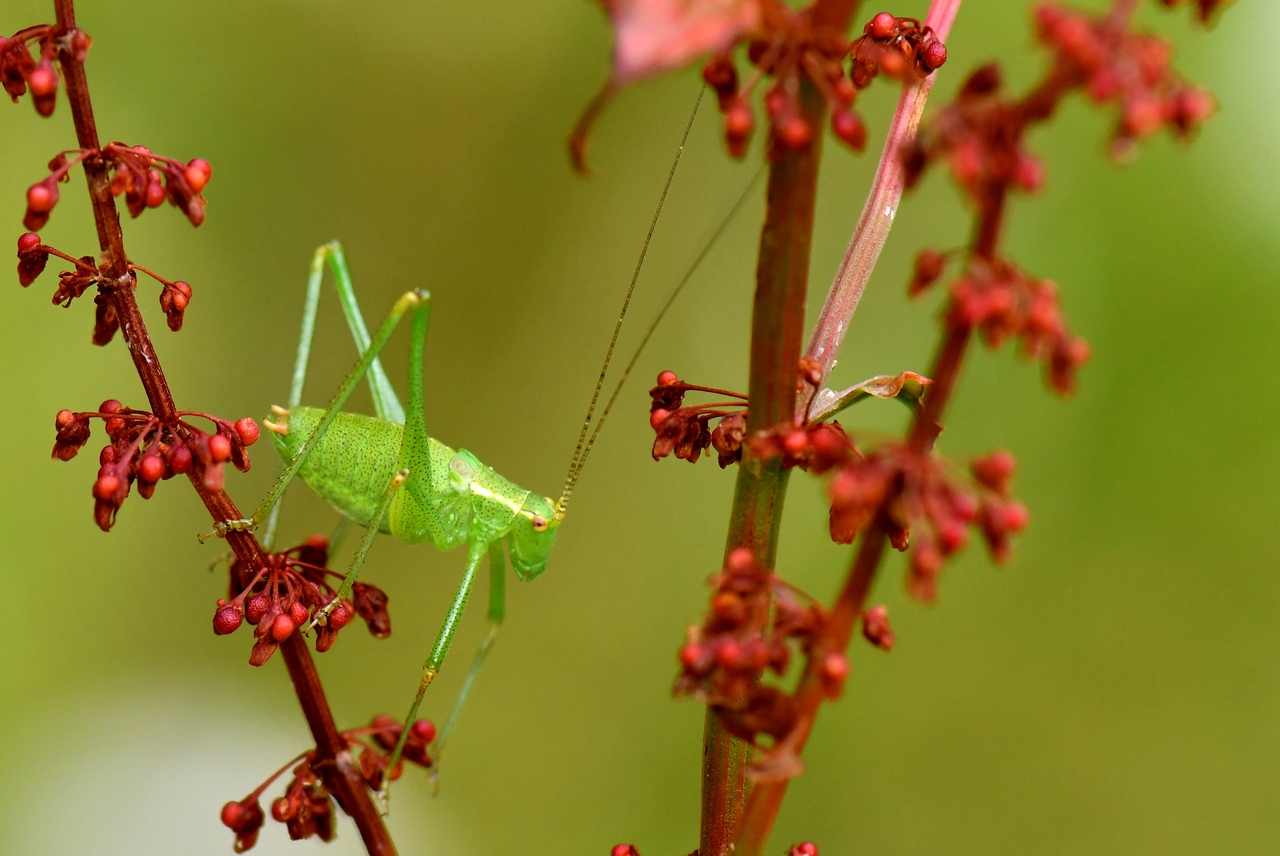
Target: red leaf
{"points": [[652, 36]]}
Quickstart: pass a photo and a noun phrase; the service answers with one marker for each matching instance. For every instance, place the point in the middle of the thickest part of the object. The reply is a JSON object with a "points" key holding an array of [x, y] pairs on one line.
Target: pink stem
{"points": [[877, 215]]}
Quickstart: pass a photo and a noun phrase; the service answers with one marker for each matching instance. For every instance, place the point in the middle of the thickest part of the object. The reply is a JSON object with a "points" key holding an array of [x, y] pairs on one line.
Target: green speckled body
{"points": [[450, 497]]}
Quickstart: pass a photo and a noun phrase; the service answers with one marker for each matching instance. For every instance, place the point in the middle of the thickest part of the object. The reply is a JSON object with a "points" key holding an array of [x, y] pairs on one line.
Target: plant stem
{"points": [[341, 776], [877, 215], [777, 325]]}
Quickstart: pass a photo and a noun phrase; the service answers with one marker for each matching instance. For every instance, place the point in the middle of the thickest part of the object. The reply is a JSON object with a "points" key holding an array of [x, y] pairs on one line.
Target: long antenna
{"points": [[671, 298], [575, 461]]}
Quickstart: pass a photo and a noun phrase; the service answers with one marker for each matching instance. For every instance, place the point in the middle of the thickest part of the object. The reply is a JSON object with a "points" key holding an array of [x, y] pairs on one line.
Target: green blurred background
{"points": [[1116, 689]]}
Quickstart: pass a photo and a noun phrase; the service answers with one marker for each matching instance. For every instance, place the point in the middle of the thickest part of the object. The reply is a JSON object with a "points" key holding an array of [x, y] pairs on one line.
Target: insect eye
{"points": [[539, 523]]}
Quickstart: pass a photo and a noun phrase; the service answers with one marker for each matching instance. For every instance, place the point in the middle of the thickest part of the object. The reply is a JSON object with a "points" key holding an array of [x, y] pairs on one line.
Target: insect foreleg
{"points": [[344, 591], [475, 552]]}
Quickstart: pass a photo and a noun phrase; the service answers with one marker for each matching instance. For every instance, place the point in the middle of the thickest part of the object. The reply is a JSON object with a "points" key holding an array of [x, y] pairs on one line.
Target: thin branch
{"points": [[341, 776], [877, 216]]}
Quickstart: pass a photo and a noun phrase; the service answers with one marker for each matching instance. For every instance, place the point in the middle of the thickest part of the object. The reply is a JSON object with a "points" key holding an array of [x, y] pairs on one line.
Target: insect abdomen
{"points": [[351, 465]]}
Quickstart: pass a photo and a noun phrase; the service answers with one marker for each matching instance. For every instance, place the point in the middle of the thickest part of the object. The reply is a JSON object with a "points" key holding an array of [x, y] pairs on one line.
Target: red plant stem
{"points": [[777, 325], [877, 216], [334, 764], [766, 797]]}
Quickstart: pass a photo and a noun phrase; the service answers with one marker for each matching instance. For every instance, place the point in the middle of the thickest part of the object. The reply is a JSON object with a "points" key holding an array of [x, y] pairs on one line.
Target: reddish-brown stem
{"points": [[777, 326], [334, 763]]}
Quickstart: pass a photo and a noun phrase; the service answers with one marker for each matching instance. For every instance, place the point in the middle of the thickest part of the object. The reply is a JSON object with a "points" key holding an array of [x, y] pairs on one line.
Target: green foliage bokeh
{"points": [[1116, 689]]}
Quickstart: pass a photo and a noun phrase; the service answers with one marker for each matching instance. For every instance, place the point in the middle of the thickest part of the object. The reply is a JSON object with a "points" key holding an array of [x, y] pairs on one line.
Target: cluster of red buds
{"points": [[981, 135], [815, 447], [290, 591], [1117, 65], [1001, 301], [755, 621], [146, 450], [145, 180], [20, 71], [33, 256], [791, 47], [306, 808], [924, 507], [687, 430]]}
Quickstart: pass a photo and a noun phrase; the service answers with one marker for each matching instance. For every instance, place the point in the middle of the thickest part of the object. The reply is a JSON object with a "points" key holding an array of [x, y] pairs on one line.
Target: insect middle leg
{"points": [[497, 611], [435, 659]]}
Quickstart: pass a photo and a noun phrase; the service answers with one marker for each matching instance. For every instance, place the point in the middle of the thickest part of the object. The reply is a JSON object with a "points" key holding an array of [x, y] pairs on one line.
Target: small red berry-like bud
{"points": [[892, 62], [28, 242], [691, 655], [226, 620], [80, 42], [729, 654], [44, 80], [1143, 116], [247, 429], [849, 128], [794, 132], [298, 612], [721, 75], [219, 448], [994, 470], [808, 848], [1011, 516], [726, 605], [876, 628], [929, 267], [256, 607], [105, 487], [197, 174], [155, 189], [151, 468], [624, 850], [42, 196], [926, 561], [110, 406], [657, 417], [341, 617], [233, 815], [883, 26], [195, 211], [424, 730], [796, 441], [282, 809], [933, 56], [667, 378], [952, 535], [180, 461], [844, 90], [1029, 173], [740, 560], [834, 670], [64, 418], [739, 122], [282, 628]]}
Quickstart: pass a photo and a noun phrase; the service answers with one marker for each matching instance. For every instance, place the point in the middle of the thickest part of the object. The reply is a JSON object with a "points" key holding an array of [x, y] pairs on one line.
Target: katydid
{"points": [[387, 474]]}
